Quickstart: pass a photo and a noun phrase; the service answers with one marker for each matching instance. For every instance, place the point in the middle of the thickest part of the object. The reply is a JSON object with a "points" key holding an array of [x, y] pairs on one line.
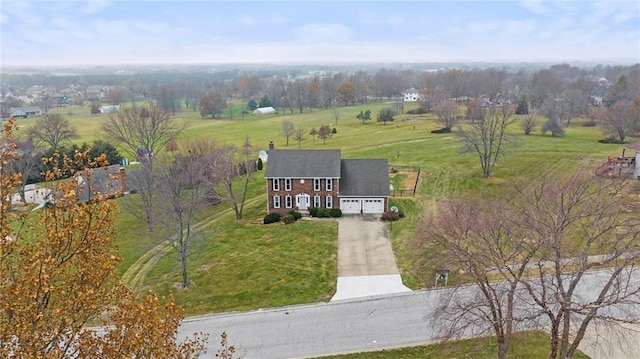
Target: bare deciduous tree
{"points": [[142, 200], [474, 110], [27, 163], [570, 219], [287, 129], [313, 133], [299, 135], [116, 95], [487, 137], [447, 112], [52, 129], [562, 260], [470, 234], [141, 127], [227, 165], [182, 187], [555, 109], [618, 121], [528, 122], [324, 133]]}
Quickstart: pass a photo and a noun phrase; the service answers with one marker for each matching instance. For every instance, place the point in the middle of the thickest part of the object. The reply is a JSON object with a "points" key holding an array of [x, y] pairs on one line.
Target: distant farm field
{"points": [[245, 265]]}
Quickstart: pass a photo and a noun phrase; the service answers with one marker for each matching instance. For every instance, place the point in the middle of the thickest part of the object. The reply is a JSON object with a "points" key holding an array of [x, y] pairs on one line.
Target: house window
{"points": [[276, 184], [316, 184], [288, 202], [316, 201], [329, 202], [287, 184], [276, 201], [329, 184]]}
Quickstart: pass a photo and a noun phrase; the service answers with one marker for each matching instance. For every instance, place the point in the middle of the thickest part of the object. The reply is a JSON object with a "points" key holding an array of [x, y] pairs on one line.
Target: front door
{"points": [[303, 201]]}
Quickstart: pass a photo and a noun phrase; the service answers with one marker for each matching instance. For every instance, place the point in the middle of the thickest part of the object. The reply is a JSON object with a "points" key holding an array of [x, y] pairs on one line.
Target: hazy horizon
{"points": [[138, 33]]}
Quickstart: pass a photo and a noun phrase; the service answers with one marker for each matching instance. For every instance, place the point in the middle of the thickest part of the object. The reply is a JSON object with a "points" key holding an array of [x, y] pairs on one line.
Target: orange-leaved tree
{"points": [[60, 295]]}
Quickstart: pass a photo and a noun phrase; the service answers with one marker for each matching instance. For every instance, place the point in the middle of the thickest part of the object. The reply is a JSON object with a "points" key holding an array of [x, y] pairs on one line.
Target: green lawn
{"points": [[526, 345], [246, 265], [407, 141]]}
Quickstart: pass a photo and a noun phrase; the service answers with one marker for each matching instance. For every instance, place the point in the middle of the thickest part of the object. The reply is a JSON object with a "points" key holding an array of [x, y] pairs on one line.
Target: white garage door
{"points": [[350, 206], [373, 205]]}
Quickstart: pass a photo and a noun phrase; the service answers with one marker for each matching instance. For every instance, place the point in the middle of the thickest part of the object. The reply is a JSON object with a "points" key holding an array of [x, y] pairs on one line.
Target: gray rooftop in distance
{"points": [[364, 177], [303, 164]]}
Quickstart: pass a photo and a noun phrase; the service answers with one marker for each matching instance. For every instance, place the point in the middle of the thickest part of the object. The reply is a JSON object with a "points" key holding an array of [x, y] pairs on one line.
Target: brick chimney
{"points": [[271, 145]]}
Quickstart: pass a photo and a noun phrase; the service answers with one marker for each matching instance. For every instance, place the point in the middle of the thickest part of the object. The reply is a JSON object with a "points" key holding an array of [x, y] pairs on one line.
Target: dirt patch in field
{"points": [[409, 180]]}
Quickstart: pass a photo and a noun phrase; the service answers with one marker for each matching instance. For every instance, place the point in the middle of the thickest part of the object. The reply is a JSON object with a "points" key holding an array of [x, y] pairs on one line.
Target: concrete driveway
{"points": [[366, 264]]}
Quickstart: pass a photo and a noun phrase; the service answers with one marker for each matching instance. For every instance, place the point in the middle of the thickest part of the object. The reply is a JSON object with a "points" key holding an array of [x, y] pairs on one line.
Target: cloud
{"points": [[323, 32], [94, 6], [111, 28], [388, 20], [535, 6], [152, 27], [249, 20], [22, 12], [484, 26]]}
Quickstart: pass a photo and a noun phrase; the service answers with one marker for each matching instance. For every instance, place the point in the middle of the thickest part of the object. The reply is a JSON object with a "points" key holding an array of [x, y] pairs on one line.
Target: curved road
{"points": [[353, 325]]}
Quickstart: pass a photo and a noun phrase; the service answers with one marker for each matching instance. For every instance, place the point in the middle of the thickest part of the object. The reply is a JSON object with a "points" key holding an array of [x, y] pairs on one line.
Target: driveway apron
{"points": [[366, 264]]}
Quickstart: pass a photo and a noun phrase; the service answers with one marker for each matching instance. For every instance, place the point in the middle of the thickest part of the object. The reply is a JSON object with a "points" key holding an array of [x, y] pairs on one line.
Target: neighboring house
{"points": [[264, 111], [635, 159], [411, 95], [107, 181], [101, 182], [144, 155], [299, 179], [25, 112], [622, 165], [597, 101], [33, 194], [109, 109]]}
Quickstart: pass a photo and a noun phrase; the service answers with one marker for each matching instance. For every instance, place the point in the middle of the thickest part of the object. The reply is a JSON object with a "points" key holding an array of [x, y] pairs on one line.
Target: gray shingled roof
{"points": [[104, 180], [303, 164], [364, 177]]}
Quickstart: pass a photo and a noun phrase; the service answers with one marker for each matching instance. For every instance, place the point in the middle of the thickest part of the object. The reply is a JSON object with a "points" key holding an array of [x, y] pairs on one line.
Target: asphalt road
{"points": [[344, 326], [318, 329]]}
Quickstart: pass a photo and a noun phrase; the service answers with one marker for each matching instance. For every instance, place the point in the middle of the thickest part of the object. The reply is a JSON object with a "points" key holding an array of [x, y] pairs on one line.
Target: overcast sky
{"points": [[166, 32]]}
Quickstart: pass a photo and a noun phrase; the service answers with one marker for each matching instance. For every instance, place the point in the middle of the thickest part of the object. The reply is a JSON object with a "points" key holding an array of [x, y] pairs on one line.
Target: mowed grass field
{"points": [[247, 265]]}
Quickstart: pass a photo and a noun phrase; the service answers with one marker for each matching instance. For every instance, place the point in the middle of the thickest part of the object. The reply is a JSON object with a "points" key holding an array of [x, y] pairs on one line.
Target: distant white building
{"points": [[597, 101], [25, 112], [265, 111], [110, 109], [411, 95]]}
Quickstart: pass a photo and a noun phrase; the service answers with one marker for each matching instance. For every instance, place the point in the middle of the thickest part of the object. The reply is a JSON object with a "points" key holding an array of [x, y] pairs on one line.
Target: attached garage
{"points": [[363, 186], [350, 206], [374, 205], [362, 205]]}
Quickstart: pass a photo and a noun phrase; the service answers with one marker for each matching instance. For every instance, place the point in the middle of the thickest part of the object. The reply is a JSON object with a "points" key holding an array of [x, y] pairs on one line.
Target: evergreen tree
{"points": [[523, 107], [252, 105], [265, 101]]}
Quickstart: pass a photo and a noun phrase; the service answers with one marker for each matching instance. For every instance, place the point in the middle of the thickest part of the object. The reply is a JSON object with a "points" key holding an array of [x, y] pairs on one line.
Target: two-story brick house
{"points": [[299, 179]]}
